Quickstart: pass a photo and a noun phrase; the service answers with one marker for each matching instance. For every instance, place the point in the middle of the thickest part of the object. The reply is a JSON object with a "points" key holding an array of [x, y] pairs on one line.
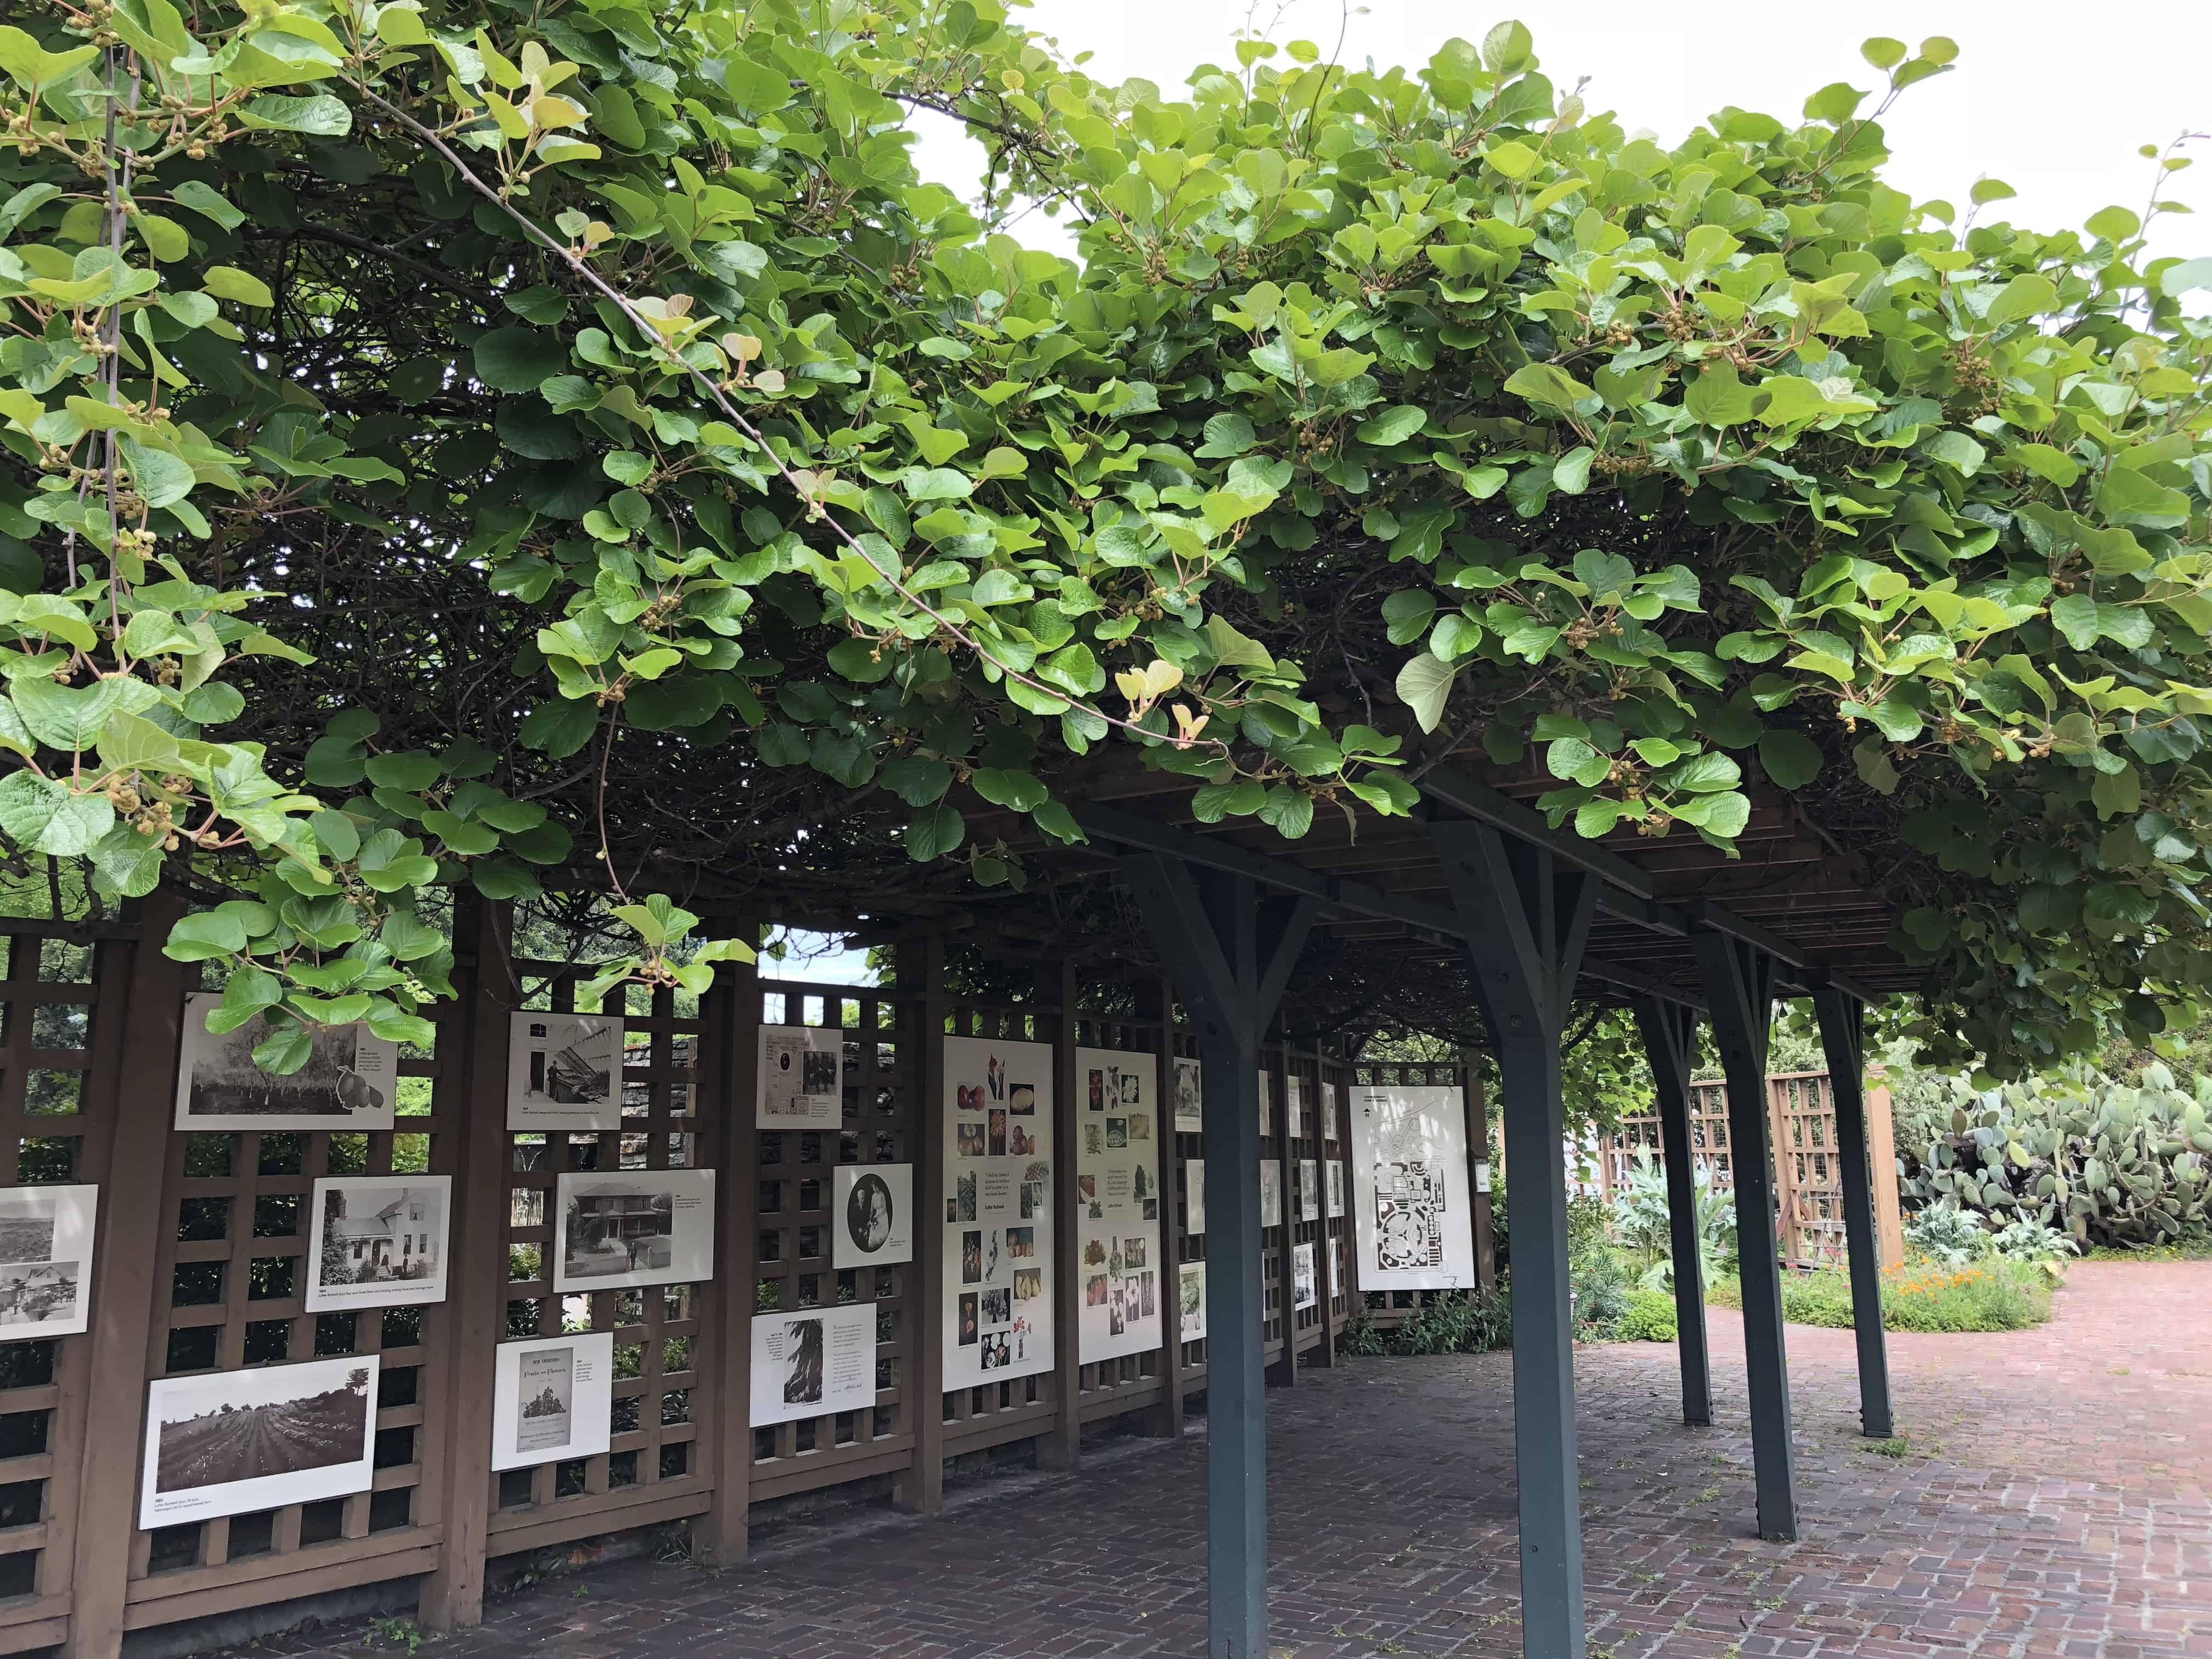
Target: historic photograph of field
{"points": [[646, 1227], [45, 1255], [230, 1443], [379, 1242], [351, 1079], [552, 1399]]}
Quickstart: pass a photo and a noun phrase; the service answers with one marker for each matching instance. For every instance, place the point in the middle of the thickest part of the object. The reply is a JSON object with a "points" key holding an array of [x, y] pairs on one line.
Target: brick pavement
{"points": [[2052, 1501]]}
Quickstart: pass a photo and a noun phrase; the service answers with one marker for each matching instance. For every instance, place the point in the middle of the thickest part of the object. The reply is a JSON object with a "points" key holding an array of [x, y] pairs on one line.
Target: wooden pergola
{"points": [[1479, 884], [199, 1268]]}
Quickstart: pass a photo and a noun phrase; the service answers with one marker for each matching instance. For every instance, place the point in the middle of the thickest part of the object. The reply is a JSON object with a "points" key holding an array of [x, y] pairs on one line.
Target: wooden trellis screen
{"points": [[1802, 1137], [200, 1268]]}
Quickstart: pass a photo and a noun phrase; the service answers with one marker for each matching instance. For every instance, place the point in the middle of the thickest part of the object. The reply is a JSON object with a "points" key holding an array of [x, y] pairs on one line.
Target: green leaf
{"points": [[1790, 759], [519, 359], [322, 116], [1393, 426], [1424, 685], [934, 831], [203, 938], [1719, 397], [228, 283]]}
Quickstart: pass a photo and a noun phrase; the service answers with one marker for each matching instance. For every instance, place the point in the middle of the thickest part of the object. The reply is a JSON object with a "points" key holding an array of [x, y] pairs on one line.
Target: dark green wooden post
{"points": [[1527, 922], [1670, 1038], [1739, 984], [1231, 953], [1843, 1035]]}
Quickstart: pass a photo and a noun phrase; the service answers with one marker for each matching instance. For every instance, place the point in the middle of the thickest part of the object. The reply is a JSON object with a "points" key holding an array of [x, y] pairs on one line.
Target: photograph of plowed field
{"points": [[246, 1444]]}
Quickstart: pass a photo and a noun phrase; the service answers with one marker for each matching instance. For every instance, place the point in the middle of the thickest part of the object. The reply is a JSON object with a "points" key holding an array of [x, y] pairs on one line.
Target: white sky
{"points": [[2053, 99]]}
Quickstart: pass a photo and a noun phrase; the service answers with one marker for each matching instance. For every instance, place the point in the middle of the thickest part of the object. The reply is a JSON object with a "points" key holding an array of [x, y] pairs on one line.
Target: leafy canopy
{"points": [[1387, 413]]}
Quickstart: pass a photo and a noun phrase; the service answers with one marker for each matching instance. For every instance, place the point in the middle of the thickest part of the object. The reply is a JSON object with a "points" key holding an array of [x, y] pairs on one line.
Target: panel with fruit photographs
{"points": [[1118, 1125], [998, 1111]]}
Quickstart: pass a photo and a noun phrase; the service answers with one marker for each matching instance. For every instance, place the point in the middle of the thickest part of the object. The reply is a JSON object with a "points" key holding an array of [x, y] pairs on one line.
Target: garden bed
{"points": [[1994, 1294]]}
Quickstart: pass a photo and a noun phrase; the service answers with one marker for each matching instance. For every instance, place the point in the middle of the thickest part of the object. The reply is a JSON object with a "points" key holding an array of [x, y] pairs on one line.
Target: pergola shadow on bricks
{"points": [[1481, 898]]}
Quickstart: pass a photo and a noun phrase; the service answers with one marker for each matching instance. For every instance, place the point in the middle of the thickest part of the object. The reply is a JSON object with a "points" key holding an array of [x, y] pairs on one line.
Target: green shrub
{"points": [[1457, 1321], [2110, 1164], [1649, 1318], [1601, 1289], [1640, 1221]]}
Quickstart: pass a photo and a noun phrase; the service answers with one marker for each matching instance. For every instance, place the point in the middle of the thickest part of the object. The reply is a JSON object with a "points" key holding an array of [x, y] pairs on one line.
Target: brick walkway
{"points": [[2053, 1501]]}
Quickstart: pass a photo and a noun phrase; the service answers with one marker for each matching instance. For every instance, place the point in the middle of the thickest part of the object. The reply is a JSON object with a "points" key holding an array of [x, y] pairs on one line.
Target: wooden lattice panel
{"points": [[231, 1280], [652, 1463], [1804, 1110], [1801, 1135], [60, 1038], [796, 1177]]}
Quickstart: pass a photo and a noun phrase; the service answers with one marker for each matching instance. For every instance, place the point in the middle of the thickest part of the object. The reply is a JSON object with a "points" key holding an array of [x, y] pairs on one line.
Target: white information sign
{"points": [[351, 1079], [640, 1227], [1192, 1326], [998, 1233], [810, 1364], [1332, 1104], [46, 1260], [553, 1399], [1294, 1091], [875, 1215], [1116, 1159], [378, 1242], [564, 1072], [1190, 1099], [1411, 1209], [1194, 1196], [229, 1443], [1270, 1193], [802, 1077]]}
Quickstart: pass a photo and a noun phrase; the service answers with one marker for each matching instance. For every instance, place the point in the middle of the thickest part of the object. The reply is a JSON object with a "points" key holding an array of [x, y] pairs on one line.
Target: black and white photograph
{"points": [[874, 1207], [564, 1070], [378, 1242], [351, 1079], [1117, 1132], [998, 1306], [545, 1402], [1191, 1298], [643, 1227], [1335, 1171], [553, 1399], [1189, 1101], [1309, 1190], [232, 1442], [1304, 1277], [811, 1363], [802, 1077], [46, 1260]]}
